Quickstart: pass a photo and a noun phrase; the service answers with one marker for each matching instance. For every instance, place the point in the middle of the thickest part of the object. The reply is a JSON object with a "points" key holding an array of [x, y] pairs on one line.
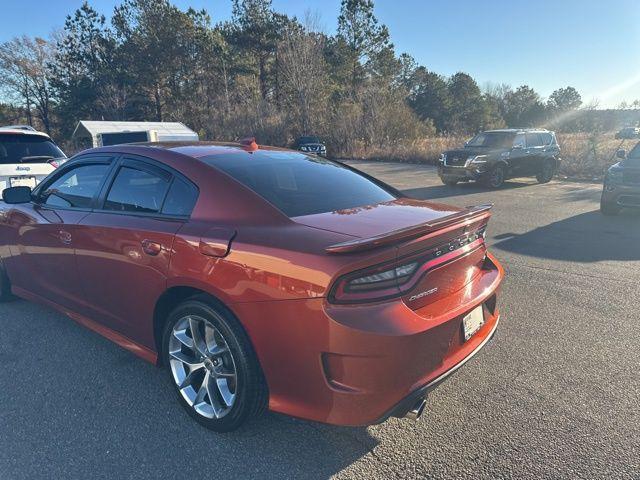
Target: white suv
{"points": [[26, 156]]}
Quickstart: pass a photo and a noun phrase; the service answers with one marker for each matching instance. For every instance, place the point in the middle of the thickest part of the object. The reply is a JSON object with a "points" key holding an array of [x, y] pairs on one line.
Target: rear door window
{"points": [[533, 140], [138, 190]]}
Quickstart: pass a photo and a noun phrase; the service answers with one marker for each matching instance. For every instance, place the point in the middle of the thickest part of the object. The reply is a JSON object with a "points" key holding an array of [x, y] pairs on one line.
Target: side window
{"points": [[180, 199], [533, 140], [76, 188], [519, 141], [547, 139], [136, 190]]}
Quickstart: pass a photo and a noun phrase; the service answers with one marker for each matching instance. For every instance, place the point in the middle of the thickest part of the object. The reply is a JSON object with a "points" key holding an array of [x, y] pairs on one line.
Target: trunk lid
{"points": [[372, 220], [446, 241]]}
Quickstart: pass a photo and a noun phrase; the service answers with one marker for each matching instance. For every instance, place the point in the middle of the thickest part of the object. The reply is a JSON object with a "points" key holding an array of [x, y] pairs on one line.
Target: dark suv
{"points": [[493, 156], [622, 183], [310, 144], [628, 133]]}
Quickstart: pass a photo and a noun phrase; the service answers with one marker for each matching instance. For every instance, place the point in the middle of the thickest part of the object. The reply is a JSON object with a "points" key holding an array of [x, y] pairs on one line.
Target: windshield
{"points": [[492, 140], [633, 157], [17, 148], [300, 185]]}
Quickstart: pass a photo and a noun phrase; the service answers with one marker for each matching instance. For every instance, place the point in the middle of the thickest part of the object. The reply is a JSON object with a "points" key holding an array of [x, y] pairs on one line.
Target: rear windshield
{"points": [[17, 148], [298, 184], [492, 140]]}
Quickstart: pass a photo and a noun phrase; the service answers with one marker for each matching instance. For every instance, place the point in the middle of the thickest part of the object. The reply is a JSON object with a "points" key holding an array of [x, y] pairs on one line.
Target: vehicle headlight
{"points": [[442, 158], [505, 154], [304, 149]]}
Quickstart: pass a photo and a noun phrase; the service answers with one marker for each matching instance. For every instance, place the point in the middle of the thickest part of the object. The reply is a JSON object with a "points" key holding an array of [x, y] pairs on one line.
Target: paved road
{"points": [[555, 395]]}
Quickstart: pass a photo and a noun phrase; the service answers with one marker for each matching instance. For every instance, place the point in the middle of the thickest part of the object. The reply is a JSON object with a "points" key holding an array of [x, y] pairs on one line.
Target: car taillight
{"points": [[376, 281], [57, 162], [387, 281]]}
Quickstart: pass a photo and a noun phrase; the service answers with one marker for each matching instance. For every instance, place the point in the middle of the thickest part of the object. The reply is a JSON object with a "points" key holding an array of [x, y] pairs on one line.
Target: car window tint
{"points": [[634, 154], [533, 140], [492, 140], [519, 141], [547, 138], [136, 190], [27, 148], [298, 184], [76, 188], [180, 199]]}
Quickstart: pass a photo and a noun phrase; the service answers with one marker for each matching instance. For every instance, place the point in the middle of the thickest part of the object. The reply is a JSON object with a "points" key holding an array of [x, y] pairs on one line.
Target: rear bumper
{"points": [[623, 195], [403, 407], [360, 364]]}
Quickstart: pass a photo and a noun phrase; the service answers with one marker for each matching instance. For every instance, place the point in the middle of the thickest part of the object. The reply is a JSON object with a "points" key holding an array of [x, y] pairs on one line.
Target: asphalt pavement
{"points": [[556, 394]]}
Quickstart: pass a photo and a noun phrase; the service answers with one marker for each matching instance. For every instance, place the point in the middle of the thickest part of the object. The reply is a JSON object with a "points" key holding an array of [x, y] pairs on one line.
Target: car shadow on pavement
{"points": [[587, 237], [582, 193], [82, 407], [445, 191]]}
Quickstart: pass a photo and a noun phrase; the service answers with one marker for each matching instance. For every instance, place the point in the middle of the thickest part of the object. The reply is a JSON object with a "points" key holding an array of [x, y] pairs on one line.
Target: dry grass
{"points": [[587, 156], [584, 155]]}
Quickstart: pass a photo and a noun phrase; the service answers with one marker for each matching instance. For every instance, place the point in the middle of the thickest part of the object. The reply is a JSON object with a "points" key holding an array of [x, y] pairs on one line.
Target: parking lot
{"points": [[554, 395]]}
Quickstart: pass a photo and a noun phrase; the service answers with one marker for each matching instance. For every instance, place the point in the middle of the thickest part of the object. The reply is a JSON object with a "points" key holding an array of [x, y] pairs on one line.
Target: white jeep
{"points": [[26, 156]]}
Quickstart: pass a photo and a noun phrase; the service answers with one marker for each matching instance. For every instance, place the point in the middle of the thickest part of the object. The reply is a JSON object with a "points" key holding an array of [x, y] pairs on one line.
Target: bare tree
{"points": [[24, 75], [303, 72]]}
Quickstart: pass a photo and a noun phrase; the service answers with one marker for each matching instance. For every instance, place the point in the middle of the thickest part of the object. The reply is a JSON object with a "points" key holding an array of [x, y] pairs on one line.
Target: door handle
{"points": [[64, 236], [151, 248]]}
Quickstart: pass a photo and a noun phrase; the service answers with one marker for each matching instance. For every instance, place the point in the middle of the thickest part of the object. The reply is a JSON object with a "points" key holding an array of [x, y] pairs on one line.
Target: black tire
{"points": [[495, 178], [609, 208], [547, 173], [449, 182], [5, 285], [250, 392]]}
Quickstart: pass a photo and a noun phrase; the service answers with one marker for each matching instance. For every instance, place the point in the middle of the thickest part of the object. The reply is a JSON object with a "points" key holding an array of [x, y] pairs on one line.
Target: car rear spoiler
{"points": [[467, 215]]}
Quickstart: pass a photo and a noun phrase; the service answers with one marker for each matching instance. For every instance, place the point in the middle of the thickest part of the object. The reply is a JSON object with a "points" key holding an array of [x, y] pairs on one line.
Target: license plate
{"points": [[472, 322], [23, 181]]}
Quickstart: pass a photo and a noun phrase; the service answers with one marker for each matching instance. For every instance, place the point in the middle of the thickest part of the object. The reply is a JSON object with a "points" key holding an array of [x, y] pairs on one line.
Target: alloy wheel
{"points": [[202, 367]]}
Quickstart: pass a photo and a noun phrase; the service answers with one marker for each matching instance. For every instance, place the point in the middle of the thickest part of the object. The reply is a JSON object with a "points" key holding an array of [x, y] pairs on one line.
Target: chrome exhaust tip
{"points": [[416, 410]]}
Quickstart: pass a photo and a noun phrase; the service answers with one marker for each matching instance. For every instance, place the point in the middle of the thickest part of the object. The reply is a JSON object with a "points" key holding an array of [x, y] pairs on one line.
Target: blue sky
{"points": [[593, 45]]}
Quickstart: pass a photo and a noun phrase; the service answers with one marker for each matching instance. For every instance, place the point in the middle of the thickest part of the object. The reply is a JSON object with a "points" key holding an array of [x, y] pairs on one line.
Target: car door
{"points": [[534, 152], [127, 244], [44, 243], [517, 156]]}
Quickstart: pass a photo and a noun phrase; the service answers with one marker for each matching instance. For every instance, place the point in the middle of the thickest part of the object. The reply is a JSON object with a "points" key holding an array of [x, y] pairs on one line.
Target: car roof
{"points": [[188, 158], [198, 149], [518, 130], [21, 130]]}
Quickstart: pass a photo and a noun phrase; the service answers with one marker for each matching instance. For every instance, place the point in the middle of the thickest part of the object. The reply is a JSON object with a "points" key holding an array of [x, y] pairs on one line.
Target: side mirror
{"points": [[16, 195], [621, 154]]}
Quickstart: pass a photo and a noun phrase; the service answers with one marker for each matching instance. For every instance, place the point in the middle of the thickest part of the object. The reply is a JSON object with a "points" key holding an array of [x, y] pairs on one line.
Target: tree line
{"points": [[262, 73]]}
